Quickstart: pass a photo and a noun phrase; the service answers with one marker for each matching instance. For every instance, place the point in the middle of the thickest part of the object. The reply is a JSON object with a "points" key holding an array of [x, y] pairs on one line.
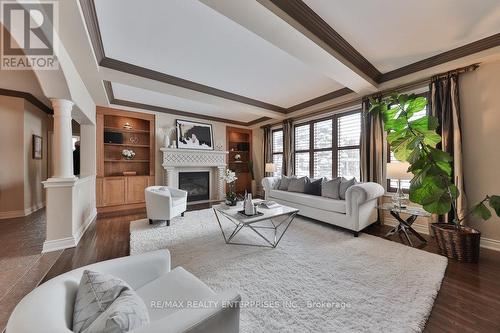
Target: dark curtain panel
{"points": [[445, 105], [268, 146], [287, 147], [373, 147]]}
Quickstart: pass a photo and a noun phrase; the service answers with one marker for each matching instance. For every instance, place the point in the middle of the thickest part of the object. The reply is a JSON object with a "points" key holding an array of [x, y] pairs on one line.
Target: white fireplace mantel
{"points": [[175, 160]]}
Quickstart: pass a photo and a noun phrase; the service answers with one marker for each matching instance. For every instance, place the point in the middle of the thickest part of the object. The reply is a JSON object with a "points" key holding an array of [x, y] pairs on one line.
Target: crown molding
{"points": [[320, 99], [28, 97], [459, 52]]}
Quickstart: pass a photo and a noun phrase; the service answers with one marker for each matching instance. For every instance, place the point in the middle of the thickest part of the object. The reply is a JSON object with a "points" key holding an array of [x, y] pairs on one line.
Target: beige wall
{"points": [[21, 191], [11, 156], [35, 171], [479, 98]]}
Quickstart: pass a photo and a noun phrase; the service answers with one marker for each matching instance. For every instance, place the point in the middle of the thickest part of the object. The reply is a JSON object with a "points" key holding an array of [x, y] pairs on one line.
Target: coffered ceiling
{"points": [[392, 34], [245, 61]]}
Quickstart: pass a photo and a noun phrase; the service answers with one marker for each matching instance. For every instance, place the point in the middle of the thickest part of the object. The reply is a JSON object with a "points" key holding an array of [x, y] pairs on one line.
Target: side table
{"points": [[405, 225]]}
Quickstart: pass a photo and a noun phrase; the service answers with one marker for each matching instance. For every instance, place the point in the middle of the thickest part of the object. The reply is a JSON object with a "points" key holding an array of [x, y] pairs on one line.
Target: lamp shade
{"points": [[399, 170], [270, 167]]}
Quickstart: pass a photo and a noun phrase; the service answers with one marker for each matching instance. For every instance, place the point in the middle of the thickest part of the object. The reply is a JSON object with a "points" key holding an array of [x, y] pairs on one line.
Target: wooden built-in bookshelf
{"points": [[129, 130], [239, 141]]}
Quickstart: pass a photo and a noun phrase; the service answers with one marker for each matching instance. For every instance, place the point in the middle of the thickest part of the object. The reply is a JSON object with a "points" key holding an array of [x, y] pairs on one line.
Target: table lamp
{"points": [[270, 168], [399, 171]]}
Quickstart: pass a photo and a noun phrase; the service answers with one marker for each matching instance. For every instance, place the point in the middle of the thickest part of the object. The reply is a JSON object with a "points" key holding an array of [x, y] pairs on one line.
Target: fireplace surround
{"points": [[177, 161]]}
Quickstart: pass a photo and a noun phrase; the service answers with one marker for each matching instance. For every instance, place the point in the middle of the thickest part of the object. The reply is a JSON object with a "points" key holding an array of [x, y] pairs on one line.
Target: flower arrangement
{"points": [[230, 178], [128, 154]]}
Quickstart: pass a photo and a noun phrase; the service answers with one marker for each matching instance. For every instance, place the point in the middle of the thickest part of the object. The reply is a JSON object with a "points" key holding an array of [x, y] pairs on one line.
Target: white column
{"points": [[169, 176], [221, 184], [62, 145]]}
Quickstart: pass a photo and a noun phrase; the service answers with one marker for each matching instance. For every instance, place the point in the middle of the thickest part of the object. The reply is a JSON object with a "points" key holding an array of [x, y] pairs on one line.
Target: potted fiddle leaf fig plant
{"points": [[415, 141]]}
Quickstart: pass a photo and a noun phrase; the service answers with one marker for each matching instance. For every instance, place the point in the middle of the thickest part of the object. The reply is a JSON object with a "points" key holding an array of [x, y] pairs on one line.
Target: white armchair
{"points": [[49, 307], [164, 203]]}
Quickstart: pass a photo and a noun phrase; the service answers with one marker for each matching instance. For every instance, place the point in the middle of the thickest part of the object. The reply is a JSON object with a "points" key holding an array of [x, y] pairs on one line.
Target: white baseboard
{"points": [[58, 244], [487, 243], [85, 226], [21, 212], [492, 244], [68, 242]]}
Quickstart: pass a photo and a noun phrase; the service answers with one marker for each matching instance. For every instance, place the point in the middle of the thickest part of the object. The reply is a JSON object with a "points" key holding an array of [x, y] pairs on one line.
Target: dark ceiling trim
{"points": [[91, 20], [90, 16], [169, 79], [109, 90], [258, 120], [173, 111], [320, 99], [311, 21], [305, 16], [459, 52], [28, 97], [137, 105]]}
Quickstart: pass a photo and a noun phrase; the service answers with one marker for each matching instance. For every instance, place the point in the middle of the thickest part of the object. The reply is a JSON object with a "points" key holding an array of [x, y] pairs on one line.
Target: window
{"points": [[328, 147], [392, 184], [278, 151], [349, 135]]}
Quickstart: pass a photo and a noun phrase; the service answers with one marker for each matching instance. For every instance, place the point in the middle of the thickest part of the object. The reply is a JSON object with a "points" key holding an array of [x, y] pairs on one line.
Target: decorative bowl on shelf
{"points": [[128, 154], [134, 139], [237, 157]]}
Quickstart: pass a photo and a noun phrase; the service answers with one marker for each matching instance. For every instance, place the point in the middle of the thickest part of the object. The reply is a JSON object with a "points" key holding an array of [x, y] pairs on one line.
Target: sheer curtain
{"points": [[445, 105], [373, 147]]}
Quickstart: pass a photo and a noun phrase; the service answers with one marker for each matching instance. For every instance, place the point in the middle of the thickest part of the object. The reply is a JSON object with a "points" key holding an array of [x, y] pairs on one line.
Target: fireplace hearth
{"points": [[197, 185]]}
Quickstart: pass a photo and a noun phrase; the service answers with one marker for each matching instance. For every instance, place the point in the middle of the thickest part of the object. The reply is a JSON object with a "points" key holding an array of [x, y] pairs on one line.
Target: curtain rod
{"points": [[383, 93]]}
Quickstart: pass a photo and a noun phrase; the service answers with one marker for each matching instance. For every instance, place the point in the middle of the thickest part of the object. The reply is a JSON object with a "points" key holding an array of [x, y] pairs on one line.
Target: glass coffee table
{"points": [[405, 225], [270, 219]]}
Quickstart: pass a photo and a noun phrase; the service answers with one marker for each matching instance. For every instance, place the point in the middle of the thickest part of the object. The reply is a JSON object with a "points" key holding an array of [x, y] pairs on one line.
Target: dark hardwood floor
{"points": [[469, 299]]}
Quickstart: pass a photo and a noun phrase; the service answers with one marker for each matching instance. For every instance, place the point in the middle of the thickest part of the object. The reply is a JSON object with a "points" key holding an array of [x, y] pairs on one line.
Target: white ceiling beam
{"points": [[276, 27]]}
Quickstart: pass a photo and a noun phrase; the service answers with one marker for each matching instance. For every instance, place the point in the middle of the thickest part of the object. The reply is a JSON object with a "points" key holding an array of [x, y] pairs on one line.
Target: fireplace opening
{"points": [[197, 185]]}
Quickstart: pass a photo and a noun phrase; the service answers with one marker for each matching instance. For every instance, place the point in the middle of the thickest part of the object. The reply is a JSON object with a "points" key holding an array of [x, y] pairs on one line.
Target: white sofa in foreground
{"points": [[356, 212], [49, 307]]}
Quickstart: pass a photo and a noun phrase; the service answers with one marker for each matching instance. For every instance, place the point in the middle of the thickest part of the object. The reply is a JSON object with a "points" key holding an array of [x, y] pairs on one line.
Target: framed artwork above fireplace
{"points": [[193, 135]]}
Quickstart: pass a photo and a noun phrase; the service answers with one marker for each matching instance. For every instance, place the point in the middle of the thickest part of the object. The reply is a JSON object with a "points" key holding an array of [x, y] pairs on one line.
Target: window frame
{"points": [[391, 189], [334, 149], [277, 153]]}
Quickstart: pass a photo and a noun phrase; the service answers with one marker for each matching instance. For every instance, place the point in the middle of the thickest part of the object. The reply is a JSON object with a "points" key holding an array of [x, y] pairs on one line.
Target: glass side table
{"points": [[405, 225]]}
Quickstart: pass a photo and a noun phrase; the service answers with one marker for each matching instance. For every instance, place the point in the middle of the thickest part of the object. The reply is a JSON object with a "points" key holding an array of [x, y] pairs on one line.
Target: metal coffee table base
{"points": [[272, 243]]}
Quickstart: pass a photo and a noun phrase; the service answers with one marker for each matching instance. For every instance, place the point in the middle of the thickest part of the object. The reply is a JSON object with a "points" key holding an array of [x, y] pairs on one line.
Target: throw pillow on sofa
{"points": [[344, 185], [313, 187], [96, 293], [285, 182], [125, 314], [331, 188], [298, 184]]}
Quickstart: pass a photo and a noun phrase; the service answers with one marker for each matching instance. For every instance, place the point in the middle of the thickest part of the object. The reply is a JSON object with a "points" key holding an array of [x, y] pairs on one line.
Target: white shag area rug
{"points": [[318, 279]]}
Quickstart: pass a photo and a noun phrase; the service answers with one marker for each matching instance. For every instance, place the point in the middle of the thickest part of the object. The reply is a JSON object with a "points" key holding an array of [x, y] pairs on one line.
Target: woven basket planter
{"points": [[461, 243]]}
